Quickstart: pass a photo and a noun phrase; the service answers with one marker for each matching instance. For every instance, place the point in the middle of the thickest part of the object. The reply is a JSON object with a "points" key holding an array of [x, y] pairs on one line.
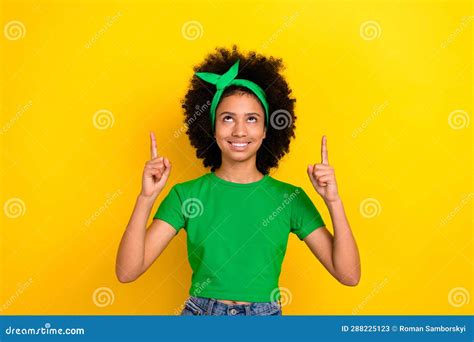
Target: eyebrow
{"points": [[230, 113]]}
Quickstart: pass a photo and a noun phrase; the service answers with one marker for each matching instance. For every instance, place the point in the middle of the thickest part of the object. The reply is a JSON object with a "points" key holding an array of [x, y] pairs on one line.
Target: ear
{"points": [[264, 132]]}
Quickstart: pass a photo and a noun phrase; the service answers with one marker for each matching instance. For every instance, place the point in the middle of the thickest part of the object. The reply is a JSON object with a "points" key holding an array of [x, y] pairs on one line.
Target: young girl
{"points": [[240, 118]]}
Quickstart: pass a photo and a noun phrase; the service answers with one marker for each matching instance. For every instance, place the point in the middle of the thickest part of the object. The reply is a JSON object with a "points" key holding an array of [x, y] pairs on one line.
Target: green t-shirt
{"points": [[237, 234]]}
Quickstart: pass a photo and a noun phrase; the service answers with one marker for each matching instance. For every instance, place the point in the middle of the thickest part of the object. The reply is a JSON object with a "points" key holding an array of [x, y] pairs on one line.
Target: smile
{"points": [[238, 146]]}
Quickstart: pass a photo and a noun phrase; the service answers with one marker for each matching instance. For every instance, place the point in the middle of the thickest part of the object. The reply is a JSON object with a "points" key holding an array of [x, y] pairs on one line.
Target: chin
{"points": [[238, 157]]}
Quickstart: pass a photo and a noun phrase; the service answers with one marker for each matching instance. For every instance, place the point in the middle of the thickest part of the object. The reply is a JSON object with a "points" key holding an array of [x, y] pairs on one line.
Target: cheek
{"points": [[222, 132], [259, 135], [257, 143], [222, 143]]}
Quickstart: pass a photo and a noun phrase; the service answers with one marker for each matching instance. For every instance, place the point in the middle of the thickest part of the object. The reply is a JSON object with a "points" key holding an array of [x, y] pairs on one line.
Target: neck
{"points": [[239, 172]]}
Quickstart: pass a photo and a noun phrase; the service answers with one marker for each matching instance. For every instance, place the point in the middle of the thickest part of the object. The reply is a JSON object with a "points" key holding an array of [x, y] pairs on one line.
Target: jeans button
{"points": [[233, 311]]}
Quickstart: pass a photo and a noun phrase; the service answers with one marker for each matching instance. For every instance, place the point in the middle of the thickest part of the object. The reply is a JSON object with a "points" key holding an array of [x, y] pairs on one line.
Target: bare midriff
{"points": [[232, 302]]}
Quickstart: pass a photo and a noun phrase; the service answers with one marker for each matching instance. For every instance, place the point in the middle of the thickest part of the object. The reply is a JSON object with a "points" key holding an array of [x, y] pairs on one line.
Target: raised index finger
{"points": [[324, 151], [153, 148]]}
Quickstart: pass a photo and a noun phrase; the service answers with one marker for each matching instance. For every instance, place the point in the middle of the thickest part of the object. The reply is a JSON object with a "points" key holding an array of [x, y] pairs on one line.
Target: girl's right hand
{"points": [[155, 173]]}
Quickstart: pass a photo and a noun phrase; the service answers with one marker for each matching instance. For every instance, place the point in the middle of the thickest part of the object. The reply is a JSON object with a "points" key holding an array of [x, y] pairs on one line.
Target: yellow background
{"points": [[383, 97]]}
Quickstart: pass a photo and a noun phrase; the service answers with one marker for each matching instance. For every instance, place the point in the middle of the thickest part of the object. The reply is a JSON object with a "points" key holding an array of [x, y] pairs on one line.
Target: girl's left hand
{"points": [[322, 176]]}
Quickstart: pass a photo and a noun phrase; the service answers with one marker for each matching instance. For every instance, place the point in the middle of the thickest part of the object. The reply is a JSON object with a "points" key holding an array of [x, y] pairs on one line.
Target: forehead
{"points": [[240, 103]]}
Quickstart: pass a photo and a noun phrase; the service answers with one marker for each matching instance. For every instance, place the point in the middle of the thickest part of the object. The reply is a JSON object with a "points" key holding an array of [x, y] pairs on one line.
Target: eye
{"points": [[253, 117], [227, 116]]}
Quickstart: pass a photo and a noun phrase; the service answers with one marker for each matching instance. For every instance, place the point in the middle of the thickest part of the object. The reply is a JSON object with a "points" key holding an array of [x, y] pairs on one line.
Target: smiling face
{"points": [[240, 127]]}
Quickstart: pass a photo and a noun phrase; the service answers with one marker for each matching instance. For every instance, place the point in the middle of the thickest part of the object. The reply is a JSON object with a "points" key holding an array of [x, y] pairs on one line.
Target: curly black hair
{"points": [[262, 70]]}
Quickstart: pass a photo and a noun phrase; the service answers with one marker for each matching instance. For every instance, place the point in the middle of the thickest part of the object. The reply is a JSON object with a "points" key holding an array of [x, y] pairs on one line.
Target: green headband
{"points": [[227, 79]]}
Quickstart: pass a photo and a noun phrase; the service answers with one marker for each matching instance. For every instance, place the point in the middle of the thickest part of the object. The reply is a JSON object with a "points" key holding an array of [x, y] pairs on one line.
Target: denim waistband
{"points": [[211, 306]]}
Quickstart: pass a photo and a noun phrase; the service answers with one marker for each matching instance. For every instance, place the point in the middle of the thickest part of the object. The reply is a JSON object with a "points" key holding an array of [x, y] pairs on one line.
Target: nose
{"points": [[239, 130]]}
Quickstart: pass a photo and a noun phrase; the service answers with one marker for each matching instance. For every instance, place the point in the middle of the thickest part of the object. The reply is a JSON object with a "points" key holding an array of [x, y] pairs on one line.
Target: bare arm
{"points": [[338, 253], [139, 246]]}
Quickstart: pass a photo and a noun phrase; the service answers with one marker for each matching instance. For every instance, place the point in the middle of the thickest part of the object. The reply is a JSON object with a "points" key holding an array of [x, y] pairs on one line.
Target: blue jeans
{"points": [[195, 306]]}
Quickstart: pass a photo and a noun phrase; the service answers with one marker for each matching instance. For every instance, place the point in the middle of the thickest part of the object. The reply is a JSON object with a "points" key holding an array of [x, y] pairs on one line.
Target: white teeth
{"points": [[240, 145]]}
